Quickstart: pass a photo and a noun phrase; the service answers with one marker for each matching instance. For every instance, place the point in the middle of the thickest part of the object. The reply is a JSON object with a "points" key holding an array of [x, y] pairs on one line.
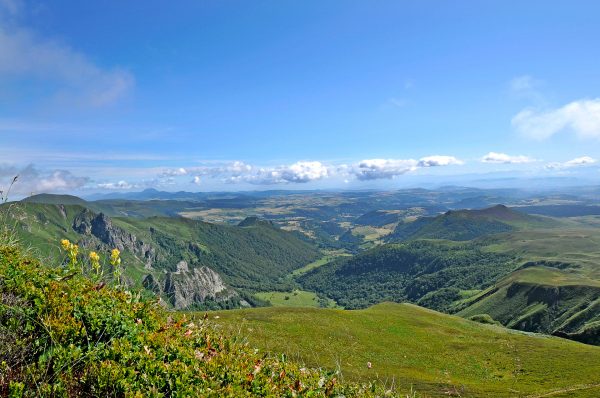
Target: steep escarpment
{"points": [[187, 287], [99, 225]]}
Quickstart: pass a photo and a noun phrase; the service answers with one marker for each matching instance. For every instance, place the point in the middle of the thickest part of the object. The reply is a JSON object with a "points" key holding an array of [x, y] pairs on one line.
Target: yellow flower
{"points": [[95, 261], [94, 256], [65, 244], [115, 258]]}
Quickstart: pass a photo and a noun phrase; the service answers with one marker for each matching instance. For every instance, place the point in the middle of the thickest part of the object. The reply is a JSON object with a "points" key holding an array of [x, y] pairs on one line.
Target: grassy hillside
{"points": [[379, 218], [437, 354], [542, 299], [427, 272], [463, 225], [51, 199]]}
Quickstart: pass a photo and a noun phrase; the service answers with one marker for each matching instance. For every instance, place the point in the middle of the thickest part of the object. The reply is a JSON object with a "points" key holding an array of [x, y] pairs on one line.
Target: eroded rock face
{"points": [[101, 226], [187, 287]]}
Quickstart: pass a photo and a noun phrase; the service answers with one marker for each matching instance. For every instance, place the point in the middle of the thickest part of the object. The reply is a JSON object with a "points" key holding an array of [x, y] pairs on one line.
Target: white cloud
{"points": [[238, 168], [197, 180], [439, 160], [299, 172], [374, 169], [236, 172], [496, 157], [580, 161], [32, 180], [581, 117], [174, 172], [23, 54], [60, 180], [120, 185], [234, 169]]}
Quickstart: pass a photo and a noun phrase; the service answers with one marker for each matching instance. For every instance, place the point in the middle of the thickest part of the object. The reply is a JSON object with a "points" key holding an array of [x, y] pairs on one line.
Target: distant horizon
{"points": [[100, 195]]}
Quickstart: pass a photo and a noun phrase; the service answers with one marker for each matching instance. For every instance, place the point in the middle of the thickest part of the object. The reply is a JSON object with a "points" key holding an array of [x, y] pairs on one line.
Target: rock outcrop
{"points": [[188, 287], [99, 225]]}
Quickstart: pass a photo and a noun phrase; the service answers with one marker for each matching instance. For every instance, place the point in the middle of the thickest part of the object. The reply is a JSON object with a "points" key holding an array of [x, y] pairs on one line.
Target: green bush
{"points": [[63, 334]]}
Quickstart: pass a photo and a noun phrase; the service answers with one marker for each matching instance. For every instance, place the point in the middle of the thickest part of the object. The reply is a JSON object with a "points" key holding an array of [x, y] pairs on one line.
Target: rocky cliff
{"points": [[98, 225], [188, 287]]}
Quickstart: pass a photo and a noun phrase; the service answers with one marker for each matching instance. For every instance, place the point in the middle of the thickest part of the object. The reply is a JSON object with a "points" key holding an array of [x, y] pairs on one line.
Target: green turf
{"points": [[297, 298], [438, 354], [316, 264]]}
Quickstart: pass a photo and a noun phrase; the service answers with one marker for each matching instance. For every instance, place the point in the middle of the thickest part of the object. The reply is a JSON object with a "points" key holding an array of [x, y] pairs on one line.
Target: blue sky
{"points": [[236, 95]]}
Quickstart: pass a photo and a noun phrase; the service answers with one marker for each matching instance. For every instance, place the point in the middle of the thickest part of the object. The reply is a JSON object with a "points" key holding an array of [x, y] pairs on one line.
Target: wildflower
{"points": [[138, 321], [115, 261], [369, 365], [115, 257], [72, 251], [95, 261]]}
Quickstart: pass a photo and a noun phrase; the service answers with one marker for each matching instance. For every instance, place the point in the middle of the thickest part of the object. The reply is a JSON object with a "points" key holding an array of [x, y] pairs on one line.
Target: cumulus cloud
{"points": [[238, 172], [439, 160], [373, 169], [580, 117], [26, 55], [496, 157], [120, 185], [580, 161], [32, 180], [299, 172]]}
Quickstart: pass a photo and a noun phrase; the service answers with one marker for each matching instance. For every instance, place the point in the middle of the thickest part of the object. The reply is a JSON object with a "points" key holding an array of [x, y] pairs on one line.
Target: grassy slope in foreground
{"points": [[436, 353]]}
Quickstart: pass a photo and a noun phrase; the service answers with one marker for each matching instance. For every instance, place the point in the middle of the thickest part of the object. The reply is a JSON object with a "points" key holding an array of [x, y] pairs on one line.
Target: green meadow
{"points": [[433, 353]]}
